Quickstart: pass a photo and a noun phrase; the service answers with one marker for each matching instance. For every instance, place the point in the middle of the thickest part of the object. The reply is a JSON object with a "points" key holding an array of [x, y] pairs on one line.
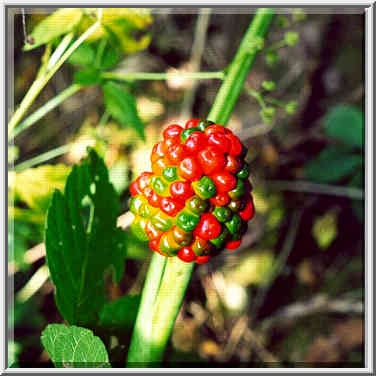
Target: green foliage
{"points": [[268, 85], [291, 38], [325, 229], [346, 124], [58, 23], [121, 104], [78, 256], [87, 76], [84, 55], [120, 315], [74, 347], [332, 164], [290, 107], [267, 114], [271, 58], [127, 28]]}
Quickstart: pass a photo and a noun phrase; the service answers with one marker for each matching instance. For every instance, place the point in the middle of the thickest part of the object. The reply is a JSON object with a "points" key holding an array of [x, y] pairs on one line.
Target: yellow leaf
{"points": [[35, 186]]}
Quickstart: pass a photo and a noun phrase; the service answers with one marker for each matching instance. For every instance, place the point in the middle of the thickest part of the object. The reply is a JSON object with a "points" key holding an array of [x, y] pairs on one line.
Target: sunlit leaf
{"points": [[35, 186], [325, 229], [74, 347], [84, 55], [58, 23]]}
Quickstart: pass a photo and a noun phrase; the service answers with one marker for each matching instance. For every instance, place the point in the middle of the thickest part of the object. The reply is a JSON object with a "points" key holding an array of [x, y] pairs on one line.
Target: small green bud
{"points": [[271, 58], [290, 107], [291, 38], [268, 85], [267, 114]]}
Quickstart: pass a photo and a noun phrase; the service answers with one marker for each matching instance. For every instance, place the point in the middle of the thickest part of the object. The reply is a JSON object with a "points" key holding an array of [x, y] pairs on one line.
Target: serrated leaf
{"points": [[74, 347], [58, 23], [332, 164], [78, 256], [84, 55], [121, 104], [345, 123], [120, 315], [88, 76]]}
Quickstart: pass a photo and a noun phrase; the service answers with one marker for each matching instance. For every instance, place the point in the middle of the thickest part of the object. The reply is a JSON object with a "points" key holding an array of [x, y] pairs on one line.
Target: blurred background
{"points": [[293, 294]]}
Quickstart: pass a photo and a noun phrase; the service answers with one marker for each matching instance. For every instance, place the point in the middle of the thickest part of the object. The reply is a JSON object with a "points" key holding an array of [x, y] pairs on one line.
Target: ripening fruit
{"points": [[197, 200]]}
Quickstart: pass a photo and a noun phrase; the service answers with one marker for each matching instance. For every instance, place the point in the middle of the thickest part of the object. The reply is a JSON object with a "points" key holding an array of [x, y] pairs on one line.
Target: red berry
{"points": [[236, 145], [172, 131], [181, 190], [202, 259], [211, 160], [220, 141], [224, 181], [190, 169], [195, 142], [157, 152], [135, 189], [153, 198], [192, 123], [208, 227], [231, 245], [233, 164], [144, 179], [220, 199], [170, 206], [215, 128], [176, 153], [186, 254], [248, 212], [154, 245]]}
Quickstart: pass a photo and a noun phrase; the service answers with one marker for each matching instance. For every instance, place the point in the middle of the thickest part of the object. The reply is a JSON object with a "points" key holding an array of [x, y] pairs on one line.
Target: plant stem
{"points": [[41, 81], [233, 84], [45, 109], [161, 301], [43, 157], [132, 76]]}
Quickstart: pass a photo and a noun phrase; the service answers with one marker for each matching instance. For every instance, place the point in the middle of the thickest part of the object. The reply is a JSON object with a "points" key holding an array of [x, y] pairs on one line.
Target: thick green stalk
{"points": [[233, 84], [157, 315]]}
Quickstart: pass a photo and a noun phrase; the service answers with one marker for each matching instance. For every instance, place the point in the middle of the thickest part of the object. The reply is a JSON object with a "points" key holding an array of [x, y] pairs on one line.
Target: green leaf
{"points": [[332, 164], [268, 85], [345, 123], [74, 347], [84, 55], [291, 38], [58, 23], [110, 57], [88, 76], [120, 315], [78, 255], [121, 104]]}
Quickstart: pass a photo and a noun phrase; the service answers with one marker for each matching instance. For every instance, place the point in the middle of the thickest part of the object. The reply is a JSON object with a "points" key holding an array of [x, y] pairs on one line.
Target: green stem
{"points": [[43, 157], [255, 94], [44, 110], [132, 76], [233, 84], [43, 79], [161, 302]]}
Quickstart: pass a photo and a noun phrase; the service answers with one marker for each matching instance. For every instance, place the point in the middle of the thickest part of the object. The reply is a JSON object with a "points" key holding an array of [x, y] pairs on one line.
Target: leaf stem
{"points": [[43, 157], [132, 76], [44, 110], [43, 79], [160, 305]]}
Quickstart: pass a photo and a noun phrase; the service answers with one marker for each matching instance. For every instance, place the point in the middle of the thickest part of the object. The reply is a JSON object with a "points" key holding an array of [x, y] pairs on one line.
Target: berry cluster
{"points": [[197, 200]]}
